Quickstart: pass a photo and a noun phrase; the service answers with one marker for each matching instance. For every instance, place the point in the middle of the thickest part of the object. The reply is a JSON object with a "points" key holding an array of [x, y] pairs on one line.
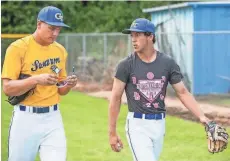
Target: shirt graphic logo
{"points": [[150, 75], [41, 64], [150, 89], [134, 79]]}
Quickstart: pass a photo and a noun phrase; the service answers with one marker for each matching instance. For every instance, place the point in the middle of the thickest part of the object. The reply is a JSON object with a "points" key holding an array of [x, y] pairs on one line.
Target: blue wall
{"points": [[211, 51], [205, 57]]}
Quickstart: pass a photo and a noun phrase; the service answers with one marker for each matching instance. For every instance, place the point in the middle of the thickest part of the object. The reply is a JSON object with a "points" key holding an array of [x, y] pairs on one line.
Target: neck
{"points": [[148, 55], [38, 39]]}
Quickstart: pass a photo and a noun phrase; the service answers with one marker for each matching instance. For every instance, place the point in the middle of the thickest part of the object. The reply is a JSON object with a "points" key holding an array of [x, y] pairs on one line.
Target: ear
{"points": [[151, 37], [39, 23], [154, 38]]}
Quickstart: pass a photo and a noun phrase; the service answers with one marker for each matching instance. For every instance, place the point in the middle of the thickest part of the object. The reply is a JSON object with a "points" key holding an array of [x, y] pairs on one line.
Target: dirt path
{"points": [[174, 107]]}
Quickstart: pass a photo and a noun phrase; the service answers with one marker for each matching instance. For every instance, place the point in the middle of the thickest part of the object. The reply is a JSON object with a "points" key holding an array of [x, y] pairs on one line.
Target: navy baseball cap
{"points": [[140, 25], [52, 16]]}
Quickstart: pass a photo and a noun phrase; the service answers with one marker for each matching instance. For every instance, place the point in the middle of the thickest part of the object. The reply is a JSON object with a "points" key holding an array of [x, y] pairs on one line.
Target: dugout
{"points": [[197, 36]]}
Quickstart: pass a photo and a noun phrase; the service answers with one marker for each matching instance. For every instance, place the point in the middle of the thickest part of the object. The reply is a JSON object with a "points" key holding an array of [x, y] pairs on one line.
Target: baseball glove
{"points": [[14, 100], [217, 137]]}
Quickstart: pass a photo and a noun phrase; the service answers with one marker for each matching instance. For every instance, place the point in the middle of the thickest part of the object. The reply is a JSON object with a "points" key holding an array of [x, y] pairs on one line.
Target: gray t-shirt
{"points": [[146, 83]]}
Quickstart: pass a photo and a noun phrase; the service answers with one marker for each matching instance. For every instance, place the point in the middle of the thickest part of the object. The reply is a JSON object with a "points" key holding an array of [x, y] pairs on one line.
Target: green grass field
{"points": [[85, 120]]}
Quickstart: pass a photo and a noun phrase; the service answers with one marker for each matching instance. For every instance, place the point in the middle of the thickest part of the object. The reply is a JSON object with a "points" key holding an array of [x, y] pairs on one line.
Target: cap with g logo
{"points": [[52, 16], [140, 25]]}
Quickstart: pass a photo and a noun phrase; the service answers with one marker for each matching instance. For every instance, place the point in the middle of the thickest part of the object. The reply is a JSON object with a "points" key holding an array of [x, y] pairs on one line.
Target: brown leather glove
{"points": [[217, 137]]}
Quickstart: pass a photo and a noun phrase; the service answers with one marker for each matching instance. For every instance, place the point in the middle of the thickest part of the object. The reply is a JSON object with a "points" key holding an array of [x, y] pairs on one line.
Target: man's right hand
{"points": [[46, 79], [115, 142]]}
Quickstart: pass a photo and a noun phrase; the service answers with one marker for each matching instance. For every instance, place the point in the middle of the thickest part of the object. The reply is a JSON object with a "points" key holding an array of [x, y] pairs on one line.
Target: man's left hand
{"points": [[204, 120], [71, 81]]}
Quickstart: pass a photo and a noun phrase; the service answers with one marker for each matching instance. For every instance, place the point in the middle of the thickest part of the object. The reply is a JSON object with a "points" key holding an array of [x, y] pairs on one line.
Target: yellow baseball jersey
{"points": [[28, 57]]}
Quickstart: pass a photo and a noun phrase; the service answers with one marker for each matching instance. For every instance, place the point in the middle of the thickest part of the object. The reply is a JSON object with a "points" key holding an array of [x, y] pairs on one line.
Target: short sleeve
{"points": [[12, 63], [122, 71], [175, 73], [63, 73]]}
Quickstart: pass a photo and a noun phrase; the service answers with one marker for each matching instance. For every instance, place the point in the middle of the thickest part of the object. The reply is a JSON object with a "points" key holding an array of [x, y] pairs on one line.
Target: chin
{"points": [[137, 50], [50, 41]]}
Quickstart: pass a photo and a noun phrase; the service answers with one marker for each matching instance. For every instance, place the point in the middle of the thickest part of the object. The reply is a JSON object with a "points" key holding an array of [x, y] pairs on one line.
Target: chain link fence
{"points": [[95, 55]]}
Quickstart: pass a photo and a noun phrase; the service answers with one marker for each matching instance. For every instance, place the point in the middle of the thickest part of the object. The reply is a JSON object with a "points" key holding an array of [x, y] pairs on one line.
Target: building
{"points": [[197, 36]]}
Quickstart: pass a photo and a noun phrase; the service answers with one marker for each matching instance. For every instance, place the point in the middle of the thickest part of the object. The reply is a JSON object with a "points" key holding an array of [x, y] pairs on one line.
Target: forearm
{"points": [[190, 103], [19, 87], [114, 110], [64, 90]]}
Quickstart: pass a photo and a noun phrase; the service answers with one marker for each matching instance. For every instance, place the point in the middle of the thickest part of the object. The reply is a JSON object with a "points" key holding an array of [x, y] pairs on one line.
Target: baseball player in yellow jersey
{"points": [[36, 124]]}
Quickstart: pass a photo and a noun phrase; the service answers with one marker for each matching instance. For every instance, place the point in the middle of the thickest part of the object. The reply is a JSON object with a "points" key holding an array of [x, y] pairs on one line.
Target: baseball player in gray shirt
{"points": [[144, 75]]}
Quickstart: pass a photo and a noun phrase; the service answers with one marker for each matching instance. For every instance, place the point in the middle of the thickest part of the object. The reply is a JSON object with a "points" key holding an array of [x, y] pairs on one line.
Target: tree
{"points": [[82, 16]]}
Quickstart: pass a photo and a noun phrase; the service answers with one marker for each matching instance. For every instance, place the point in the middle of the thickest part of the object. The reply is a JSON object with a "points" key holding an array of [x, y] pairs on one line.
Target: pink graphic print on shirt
{"points": [[134, 79], [150, 89]]}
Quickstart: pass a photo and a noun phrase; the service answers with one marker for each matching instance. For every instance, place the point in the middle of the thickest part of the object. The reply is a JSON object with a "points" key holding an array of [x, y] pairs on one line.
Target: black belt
{"points": [[38, 109]]}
